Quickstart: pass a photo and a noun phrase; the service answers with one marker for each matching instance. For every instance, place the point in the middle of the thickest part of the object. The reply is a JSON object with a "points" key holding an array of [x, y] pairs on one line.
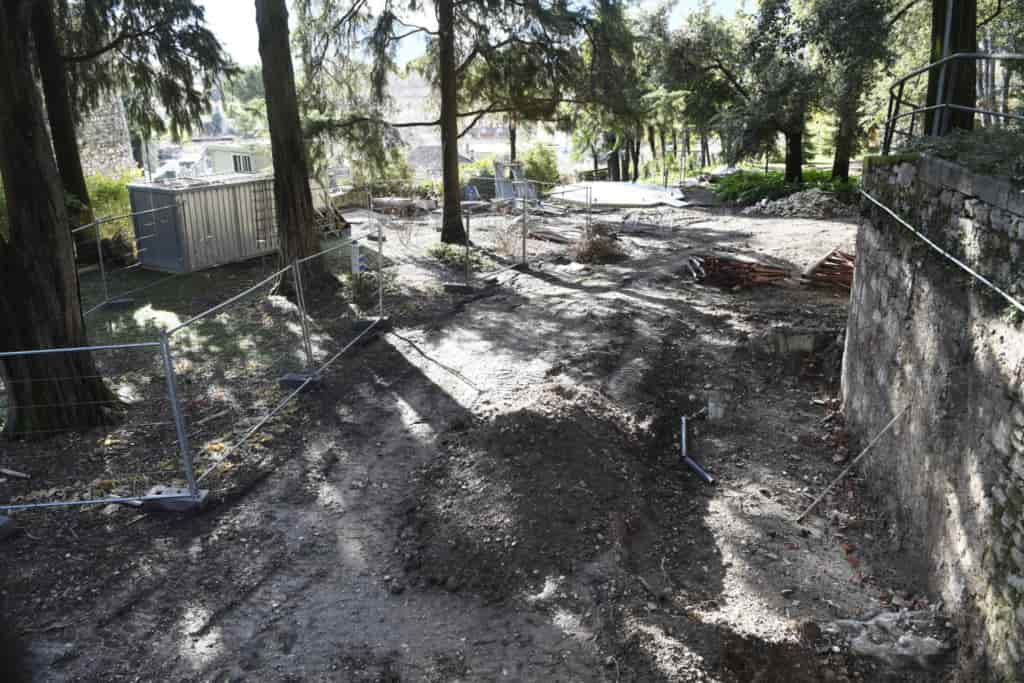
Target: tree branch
{"points": [[899, 15], [115, 43]]}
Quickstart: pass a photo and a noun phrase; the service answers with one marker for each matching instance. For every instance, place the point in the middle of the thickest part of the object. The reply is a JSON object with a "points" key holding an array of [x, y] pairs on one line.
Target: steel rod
{"points": [[76, 349], [849, 467], [179, 418], [300, 299], [1013, 302], [93, 501], [224, 304]]}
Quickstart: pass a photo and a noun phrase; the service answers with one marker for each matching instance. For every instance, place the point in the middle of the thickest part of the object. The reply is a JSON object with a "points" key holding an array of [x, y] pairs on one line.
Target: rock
{"points": [[451, 584]]}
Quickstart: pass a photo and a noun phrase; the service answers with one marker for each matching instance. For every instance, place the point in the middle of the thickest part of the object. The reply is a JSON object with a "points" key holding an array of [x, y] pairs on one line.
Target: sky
{"points": [[234, 24]]}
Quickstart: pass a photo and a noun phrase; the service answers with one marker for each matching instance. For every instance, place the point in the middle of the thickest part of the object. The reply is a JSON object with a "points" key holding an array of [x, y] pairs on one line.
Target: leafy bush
{"points": [[597, 249], [540, 163], [479, 174], [750, 187], [455, 257]]}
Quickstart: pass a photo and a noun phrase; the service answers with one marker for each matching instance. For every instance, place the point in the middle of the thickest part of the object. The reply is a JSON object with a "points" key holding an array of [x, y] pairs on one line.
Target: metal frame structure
{"points": [[948, 67]]}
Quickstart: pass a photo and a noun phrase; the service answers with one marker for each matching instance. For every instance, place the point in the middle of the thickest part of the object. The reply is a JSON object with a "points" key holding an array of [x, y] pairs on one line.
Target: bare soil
{"points": [[492, 490]]}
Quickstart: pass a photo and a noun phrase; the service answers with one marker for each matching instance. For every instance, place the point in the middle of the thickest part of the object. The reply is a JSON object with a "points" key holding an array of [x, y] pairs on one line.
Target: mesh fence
{"points": [[47, 397]]}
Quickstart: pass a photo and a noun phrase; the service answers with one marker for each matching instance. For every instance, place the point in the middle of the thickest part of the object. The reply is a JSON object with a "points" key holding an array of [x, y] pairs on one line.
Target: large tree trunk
{"points": [[452, 231], [511, 138], [614, 169], [959, 75], [664, 159], [795, 157], [637, 143], [650, 138], [846, 130], [39, 307], [58, 109], [624, 156], [297, 233]]}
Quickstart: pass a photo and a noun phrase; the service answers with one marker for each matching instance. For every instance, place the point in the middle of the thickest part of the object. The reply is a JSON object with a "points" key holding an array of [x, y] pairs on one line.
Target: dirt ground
{"points": [[491, 491]]}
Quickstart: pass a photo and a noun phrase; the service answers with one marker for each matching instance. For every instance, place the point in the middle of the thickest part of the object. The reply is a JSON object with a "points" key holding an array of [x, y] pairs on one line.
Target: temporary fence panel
{"points": [[222, 219], [60, 464]]}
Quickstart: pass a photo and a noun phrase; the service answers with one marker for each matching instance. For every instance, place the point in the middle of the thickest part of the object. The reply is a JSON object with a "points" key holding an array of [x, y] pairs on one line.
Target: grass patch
{"points": [[455, 257], [362, 287], [749, 187]]}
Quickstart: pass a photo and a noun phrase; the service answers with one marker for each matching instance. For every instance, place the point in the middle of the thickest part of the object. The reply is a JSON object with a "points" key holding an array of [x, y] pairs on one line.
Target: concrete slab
{"points": [[611, 195]]}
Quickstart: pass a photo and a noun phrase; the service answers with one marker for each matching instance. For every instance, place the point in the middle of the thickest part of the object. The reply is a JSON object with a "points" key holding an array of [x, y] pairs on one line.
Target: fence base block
{"points": [[169, 499], [294, 380], [7, 527]]}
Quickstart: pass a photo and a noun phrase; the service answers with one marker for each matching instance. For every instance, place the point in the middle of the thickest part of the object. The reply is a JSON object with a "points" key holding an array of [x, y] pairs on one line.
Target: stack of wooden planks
{"points": [[735, 271], [835, 269]]}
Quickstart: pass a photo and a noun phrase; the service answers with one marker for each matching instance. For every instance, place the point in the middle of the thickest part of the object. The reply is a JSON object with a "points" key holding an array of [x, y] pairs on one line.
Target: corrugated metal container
{"points": [[218, 220]]}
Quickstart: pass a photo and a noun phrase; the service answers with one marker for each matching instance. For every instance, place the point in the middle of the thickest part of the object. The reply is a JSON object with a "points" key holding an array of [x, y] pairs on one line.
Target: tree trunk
{"points": [[40, 305], [636, 155], [795, 157], [58, 109], [846, 130], [297, 233], [1007, 75], [650, 139], [614, 171], [959, 75], [705, 150], [664, 159], [624, 156], [511, 139], [452, 231]]}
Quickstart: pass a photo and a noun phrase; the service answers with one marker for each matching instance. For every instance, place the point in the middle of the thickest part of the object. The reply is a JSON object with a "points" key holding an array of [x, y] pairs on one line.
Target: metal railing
{"points": [[949, 69]]}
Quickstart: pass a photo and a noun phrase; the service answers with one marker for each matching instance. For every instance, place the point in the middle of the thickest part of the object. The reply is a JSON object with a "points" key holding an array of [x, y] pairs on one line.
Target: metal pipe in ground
{"points": [[300, 299], [179, 418]]}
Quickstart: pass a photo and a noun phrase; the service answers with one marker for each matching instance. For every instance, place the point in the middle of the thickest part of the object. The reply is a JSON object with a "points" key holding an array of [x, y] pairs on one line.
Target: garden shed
{"points": [[217, 220]]}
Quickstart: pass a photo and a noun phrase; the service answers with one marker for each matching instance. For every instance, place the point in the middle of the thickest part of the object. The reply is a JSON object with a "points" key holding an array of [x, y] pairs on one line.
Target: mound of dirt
{"points": [[534, 493], [813, 203]]}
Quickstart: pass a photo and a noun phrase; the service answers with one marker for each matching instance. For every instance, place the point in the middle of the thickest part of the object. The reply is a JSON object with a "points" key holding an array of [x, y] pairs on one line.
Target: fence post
{"points": [[380, 269], [300, 299], [467, 250], [526, 217], [103, 269], [179, 419]]}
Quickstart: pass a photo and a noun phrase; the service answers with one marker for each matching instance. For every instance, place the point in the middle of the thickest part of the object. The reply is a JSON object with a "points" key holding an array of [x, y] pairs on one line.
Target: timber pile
{"points": [[834, 270], [733, 271]]}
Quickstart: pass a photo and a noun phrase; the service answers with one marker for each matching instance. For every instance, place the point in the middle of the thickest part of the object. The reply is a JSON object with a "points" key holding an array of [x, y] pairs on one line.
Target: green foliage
{"points": [[597, 249], [750, 187], [109, 196], [479, 174], [454, 256], [541, 164], [158, 54]]}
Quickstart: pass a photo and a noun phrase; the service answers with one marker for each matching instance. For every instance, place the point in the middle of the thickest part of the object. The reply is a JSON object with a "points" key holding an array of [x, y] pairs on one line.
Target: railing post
{"points": [[179, 418], [300, 299]]}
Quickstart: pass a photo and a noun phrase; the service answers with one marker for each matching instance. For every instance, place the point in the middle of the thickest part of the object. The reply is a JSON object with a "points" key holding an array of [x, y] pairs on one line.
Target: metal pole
{"points": [[467, 250], [380, 269], [526, 216], [179, 419], [300, 299], [103, 270]]}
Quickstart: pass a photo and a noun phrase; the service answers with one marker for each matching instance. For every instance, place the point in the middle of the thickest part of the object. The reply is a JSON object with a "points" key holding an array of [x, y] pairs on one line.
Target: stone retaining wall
{"points": [[925, 333]]}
